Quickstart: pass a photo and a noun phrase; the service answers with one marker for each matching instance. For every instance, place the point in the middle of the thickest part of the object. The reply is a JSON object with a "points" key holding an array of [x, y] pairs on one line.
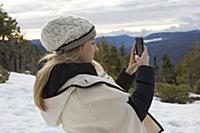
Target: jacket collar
{"points": [[61, 73], [87, 81]]}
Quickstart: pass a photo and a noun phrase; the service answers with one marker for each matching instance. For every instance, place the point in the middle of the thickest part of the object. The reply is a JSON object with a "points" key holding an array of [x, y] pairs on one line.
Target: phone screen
{"points": [[139, 45]]}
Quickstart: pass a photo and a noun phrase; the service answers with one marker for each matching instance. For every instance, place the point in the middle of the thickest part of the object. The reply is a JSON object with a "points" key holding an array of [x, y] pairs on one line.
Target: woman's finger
{"points": [[134, 49], [145, 52]]}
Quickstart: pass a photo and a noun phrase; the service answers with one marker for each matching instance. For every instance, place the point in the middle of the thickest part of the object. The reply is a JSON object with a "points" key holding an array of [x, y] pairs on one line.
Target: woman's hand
{"points": [[136, 61], [144, 59], [133, 65]]}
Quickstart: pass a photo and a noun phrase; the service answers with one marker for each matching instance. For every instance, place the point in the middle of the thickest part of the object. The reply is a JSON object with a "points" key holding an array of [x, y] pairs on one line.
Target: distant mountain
{"points": [[175, 44], [118, 40], [38, 44]]}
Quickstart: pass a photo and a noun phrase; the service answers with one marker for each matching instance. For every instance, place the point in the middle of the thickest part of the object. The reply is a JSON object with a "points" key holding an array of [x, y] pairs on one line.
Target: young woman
{"points": [[73, 90]]}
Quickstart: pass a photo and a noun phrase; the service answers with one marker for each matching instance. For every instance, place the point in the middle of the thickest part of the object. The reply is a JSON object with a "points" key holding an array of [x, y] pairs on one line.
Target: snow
{"points": [[153, 40], [177, 118], [18, 114], [194, 95]]}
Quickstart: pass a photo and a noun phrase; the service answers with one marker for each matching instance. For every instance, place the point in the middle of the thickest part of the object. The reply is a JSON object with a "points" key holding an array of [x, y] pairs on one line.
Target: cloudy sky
{"points": [[110, 17]]}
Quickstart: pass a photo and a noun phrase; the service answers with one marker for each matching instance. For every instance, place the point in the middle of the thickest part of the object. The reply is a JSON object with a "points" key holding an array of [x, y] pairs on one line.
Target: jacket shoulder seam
{"points": [[89, 86]]}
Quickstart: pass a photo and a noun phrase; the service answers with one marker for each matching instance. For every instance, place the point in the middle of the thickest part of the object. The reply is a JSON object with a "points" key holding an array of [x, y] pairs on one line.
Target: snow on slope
{"points": [[18, 114], [154, 40], [177, 118]]}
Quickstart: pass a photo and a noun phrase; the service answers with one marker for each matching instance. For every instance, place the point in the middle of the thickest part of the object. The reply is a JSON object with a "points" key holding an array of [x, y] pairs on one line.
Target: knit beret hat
{"points": [[66, 33]]}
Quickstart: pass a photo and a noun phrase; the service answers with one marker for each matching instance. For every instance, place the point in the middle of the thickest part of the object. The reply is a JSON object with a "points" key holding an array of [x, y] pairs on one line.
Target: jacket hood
{"points": [[61, 73], [57, 103]]}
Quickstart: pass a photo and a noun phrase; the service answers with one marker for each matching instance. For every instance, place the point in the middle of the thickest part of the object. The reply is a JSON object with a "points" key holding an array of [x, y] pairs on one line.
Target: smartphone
{"points": [[139, 45]]}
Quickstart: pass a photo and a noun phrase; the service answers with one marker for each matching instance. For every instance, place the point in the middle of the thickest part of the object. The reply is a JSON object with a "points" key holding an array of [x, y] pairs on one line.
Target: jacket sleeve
{"points": [[144, 89], [125, 80]]}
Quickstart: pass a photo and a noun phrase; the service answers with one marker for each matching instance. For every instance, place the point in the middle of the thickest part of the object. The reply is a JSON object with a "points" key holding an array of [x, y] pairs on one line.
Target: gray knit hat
{"points": [[66, 33]]}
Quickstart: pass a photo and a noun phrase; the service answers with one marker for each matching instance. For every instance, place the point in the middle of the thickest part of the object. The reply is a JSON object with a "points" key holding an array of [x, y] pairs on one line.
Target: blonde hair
{"points": [[43, 74]]}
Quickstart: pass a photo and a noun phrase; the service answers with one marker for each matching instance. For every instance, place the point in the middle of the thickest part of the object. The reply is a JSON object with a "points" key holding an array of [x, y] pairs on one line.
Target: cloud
{"points": [[110, 16], [187, 23]]}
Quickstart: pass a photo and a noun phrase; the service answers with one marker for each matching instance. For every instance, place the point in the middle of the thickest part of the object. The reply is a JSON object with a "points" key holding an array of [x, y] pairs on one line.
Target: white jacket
{"points": [[91, 104]]}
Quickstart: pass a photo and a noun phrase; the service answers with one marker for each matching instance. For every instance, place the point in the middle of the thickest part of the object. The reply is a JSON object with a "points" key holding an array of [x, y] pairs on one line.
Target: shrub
{"points": [[197, 87], [3, 74], [172, 93]]}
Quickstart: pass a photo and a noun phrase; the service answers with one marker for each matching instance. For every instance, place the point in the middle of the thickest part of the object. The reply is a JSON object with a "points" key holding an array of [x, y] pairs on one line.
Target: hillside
{"points": [[175, 44]]}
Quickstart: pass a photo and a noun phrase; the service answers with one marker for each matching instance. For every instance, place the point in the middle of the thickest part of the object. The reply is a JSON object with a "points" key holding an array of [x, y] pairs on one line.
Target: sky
{"points": [[111, 17]]}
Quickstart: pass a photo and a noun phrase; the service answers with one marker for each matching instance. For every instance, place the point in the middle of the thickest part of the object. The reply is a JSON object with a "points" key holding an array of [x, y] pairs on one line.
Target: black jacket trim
{"points": [[61, 73], [84, 87], [161, 128]]}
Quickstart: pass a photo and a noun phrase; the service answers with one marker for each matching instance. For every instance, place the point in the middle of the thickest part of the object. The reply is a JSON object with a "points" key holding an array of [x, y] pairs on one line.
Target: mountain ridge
{"points": [[175, 44]]}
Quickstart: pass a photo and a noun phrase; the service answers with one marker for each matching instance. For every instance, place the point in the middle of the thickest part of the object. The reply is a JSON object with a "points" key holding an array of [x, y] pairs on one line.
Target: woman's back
{"points": [[73, 90]]}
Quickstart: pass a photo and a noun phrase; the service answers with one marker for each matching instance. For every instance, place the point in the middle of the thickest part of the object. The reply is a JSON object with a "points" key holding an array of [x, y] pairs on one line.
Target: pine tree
{"points": [[188, 70], [114, 63], [167, 73], [122, 50], [110, 57], [8, 26], [156, 69], [16, 53], [124, 56], [103, 51]]}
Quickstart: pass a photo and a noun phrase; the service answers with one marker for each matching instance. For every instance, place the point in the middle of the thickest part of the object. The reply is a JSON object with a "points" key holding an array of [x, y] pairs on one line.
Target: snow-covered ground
{"points": [[18, 113]]}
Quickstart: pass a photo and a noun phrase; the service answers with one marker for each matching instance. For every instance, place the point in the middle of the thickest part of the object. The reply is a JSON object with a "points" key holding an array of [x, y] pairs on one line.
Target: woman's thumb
{"points": [[137, 58]]}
